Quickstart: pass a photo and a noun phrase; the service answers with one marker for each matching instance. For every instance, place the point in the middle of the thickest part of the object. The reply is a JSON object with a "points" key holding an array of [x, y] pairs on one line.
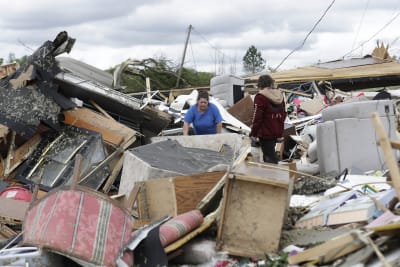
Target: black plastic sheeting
{"points": [[170, 155]]}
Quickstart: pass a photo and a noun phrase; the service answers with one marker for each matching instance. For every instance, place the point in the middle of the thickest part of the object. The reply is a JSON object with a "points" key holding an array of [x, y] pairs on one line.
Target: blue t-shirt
{"points": [[205, 123]]}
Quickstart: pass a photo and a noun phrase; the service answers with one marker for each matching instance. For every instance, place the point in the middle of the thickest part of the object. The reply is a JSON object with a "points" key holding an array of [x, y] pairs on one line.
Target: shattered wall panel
{"points": [[53, 161]]}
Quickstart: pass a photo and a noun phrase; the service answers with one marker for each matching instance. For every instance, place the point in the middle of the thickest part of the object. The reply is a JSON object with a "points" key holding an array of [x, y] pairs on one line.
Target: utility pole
{"points": [[183, 56]]}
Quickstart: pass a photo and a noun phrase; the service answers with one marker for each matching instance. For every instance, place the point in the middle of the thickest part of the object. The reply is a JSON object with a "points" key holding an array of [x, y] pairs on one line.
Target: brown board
{"points": [[191, 189]]}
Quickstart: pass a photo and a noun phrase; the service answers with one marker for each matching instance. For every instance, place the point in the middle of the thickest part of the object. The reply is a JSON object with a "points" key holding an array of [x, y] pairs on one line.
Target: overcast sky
{"points": [[108, 32]]}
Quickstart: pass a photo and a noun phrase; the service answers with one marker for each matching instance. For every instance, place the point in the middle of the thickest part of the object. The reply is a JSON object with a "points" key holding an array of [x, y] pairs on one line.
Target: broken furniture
{"points": [[348, 126], [254, 203], [81, 224], [175, 195], [179, 155]]}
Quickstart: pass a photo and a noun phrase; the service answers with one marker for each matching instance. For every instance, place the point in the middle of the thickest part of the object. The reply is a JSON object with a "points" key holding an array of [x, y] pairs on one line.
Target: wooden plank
{"points": [[384, 143], [112, 132], [225, 200], [6, 231], [190, 189], [113, 175], [77, 171], [330, 250], [21, 153], [261, 180], [130, 200]]}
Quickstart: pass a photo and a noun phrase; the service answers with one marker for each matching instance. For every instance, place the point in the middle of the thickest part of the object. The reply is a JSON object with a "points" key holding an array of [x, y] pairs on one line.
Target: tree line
{"points": [[162, 72]]}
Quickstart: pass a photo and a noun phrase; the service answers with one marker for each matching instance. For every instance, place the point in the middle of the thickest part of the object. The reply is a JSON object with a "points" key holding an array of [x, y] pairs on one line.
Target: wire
{"points": [[375, 34], [209, 43], [191, 48], [361, 22], [308, 34]]}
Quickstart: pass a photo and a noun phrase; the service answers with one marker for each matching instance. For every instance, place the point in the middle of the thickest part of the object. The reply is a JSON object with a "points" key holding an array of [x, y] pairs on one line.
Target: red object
{"points": [[17, 193], [179, 226], [80, 223]]}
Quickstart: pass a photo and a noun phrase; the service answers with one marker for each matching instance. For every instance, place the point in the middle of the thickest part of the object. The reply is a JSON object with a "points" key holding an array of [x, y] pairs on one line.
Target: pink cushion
{"points": [[179, 226]]}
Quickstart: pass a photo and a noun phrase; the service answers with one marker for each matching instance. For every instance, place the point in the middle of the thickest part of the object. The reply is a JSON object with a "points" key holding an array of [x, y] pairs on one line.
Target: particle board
{"points": [[253, 211], [157, 199]]}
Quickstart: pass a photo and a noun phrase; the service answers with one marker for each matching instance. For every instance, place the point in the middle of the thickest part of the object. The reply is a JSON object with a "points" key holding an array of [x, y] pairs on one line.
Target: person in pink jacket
{"points": [[268, 118]]}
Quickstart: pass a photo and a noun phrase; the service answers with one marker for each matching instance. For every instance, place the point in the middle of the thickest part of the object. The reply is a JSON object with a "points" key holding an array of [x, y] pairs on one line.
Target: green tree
{"points": [[1, 61], [253, 62], [162, 74]]}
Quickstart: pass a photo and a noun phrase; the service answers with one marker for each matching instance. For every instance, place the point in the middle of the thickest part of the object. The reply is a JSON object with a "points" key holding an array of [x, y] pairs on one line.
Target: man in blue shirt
{"points": [[204, 116]]}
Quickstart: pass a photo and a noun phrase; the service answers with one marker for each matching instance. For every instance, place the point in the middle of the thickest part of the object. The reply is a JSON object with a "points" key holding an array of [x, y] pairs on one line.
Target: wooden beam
{"points": [[385, 144], [111, 178], [130, 200], [101, 110]]}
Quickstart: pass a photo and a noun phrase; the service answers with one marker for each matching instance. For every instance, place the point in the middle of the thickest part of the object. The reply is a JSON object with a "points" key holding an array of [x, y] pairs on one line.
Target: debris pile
{"points": [[95, 177]]}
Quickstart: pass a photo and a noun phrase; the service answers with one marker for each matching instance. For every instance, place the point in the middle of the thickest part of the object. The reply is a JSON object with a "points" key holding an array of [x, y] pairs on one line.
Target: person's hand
{"points": [[254, 141]]}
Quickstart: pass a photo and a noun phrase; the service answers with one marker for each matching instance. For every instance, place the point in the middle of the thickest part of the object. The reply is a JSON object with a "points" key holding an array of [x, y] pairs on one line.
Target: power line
{"points": [[209, 43], [361, 22], [308, 34], [191, 49], [375, 34]]}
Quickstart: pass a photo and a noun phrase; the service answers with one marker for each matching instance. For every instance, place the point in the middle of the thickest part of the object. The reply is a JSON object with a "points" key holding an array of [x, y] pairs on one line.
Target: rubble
{"points": [[95, 177]]}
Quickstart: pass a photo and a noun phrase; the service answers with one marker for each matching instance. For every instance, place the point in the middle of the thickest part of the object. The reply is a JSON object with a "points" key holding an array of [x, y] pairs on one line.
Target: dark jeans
{"points": [[268, 149]]}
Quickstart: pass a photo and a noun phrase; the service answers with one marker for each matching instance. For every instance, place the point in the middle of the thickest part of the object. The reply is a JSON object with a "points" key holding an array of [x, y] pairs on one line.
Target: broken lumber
{"points": [[385, 144], [330, 250]]}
